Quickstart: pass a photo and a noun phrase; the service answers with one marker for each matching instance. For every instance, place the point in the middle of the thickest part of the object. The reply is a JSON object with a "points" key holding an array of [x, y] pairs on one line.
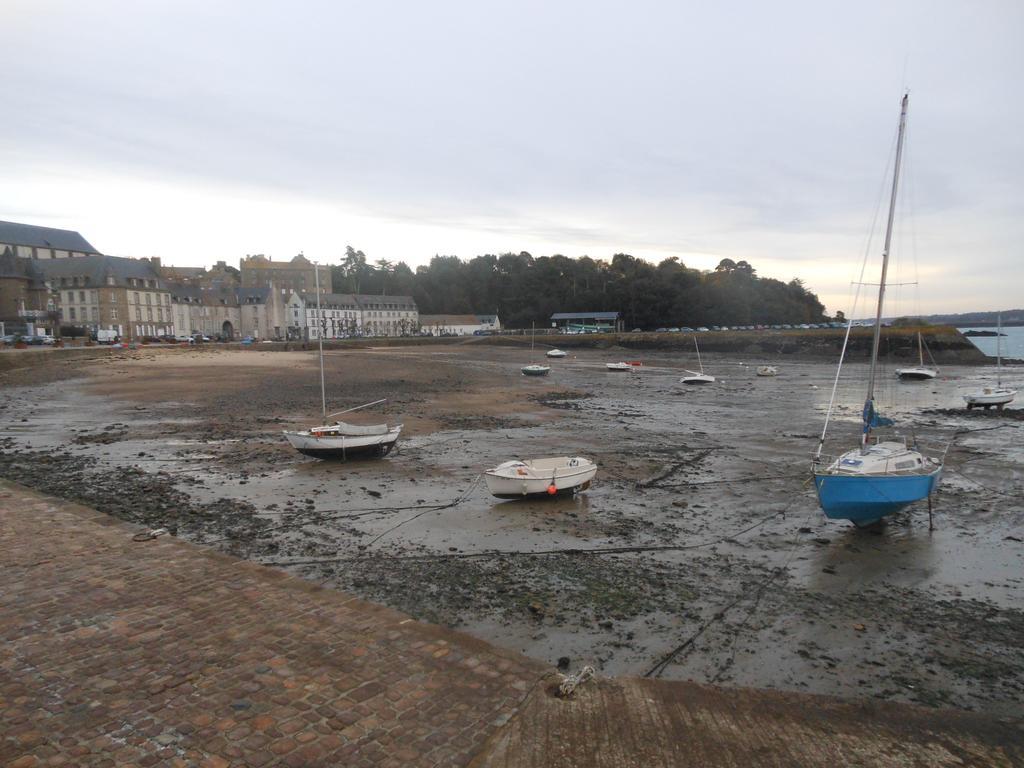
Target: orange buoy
{"points": [[552, 489]]}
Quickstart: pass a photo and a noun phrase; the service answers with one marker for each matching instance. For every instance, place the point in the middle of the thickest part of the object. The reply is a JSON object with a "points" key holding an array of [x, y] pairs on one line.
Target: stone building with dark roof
{"points": [[95, 292], [28, 241]]}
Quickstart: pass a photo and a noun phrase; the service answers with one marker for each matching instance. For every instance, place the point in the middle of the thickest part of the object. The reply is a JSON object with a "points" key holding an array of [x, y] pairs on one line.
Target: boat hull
{"points": [[507, 485], [866, 499], [535, 371], [916, 374], [343, 447], [997, 398]]}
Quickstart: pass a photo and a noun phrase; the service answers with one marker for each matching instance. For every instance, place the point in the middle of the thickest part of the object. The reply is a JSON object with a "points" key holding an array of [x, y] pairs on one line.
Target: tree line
{"points": [[524, 289]]}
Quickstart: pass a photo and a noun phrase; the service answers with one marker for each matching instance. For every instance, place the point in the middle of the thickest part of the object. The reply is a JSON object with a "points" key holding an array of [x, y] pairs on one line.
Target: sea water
{"points": [[1012, 342]]}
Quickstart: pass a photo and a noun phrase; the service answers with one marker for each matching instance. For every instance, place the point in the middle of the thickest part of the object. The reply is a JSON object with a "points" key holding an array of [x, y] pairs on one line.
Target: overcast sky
{"points": [[200, 131]]}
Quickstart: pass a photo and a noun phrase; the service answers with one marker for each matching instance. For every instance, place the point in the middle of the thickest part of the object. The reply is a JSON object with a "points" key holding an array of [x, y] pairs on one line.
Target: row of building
{"points": [[53, 280]]}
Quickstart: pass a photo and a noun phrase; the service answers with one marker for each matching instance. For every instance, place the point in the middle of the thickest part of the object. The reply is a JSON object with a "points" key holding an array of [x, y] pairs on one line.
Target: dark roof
{"points": [[43, 237], [585, 316], [13, 267], [330, 300], [253, 295], [192, 293], [372, 301], [97, 268]]}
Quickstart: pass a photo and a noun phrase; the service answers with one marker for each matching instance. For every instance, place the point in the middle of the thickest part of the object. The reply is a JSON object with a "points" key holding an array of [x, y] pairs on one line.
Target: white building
{"points": [[458, 325], [343, 315]]}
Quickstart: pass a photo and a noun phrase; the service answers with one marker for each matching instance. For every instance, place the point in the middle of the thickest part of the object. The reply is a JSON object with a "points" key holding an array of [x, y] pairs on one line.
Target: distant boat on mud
{"points": [[555, 353], [618, 367], [696, 377], [341, 440], [996, 396], [767, 370], [534, 369], [919, 372], [881, 477], [557, 476]]}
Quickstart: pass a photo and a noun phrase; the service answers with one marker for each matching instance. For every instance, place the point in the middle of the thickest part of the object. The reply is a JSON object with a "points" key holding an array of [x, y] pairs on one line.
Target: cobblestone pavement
{"points": [[161, 653]]}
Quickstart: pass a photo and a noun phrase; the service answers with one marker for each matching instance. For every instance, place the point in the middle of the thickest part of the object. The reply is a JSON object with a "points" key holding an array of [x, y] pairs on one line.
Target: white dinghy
{"points": [[555, 353], [767, 370], [696, 377], [561, 475], [618, 367]]}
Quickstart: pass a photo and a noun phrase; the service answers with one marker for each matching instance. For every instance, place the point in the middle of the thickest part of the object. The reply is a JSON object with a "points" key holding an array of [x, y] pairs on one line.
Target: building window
{"points": [[94, 296], [136, 297], [149, 299], [71, 313], [113, 313], [138, 312], [149, 313]]}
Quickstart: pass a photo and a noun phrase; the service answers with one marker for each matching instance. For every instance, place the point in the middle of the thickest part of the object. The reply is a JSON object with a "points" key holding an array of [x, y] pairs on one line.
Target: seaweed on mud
{"points": [[129, 494]]}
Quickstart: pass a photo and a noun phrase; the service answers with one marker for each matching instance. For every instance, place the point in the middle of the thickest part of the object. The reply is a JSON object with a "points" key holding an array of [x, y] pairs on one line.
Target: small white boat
{"points": [[998, 395], [540, 477], [618, 367], [698, 377], [345, 441], [535, 370], [919, 372], [767, 370], [555, 353], [990, 396]]}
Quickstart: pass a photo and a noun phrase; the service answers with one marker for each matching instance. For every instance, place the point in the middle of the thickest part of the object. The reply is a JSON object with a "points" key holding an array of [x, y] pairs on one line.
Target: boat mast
{"points": [[699, 363], [320, 340], [999, 351], [920, 350], [869, 403]]}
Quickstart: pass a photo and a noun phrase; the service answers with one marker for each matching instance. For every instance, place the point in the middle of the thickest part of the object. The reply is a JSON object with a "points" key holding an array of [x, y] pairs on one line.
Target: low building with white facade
{"points": [[458, 325], [344, 315], [338, 316]]}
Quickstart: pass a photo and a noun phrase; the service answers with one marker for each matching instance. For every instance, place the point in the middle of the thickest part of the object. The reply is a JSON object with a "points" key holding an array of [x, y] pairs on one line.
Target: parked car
{"points": [[636, 330], [248, 340], [661, 330], [673, 330]]}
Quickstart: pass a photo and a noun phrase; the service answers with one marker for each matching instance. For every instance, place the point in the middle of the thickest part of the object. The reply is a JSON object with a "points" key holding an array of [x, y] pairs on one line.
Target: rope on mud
{"points": [[662, 664], [449, 505], [546, 552], [1010, 495]]}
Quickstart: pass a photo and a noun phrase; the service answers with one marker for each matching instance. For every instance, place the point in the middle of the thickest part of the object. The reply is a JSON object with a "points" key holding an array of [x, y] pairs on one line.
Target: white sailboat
{"points": [[696, 377], [880, 476], [997, 396], [339, 440], [534, 369], [555, 353], [919, 372]]}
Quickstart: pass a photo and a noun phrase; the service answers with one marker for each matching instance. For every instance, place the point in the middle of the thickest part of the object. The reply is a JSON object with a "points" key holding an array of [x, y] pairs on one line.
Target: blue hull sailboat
{"points": [[879, 477]]}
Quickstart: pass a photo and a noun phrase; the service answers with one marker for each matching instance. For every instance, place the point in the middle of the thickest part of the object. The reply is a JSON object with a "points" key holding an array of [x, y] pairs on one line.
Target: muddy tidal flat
{"points": [[699, 552]]}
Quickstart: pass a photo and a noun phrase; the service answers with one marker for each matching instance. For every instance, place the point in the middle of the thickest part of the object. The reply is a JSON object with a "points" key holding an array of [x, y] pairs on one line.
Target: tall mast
{"points": [[885, 264], [320, 340], [999, 351]]}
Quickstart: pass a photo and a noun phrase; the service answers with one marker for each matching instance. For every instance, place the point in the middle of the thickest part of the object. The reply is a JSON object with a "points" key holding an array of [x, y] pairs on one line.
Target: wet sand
{"points": [[722, 568]]}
